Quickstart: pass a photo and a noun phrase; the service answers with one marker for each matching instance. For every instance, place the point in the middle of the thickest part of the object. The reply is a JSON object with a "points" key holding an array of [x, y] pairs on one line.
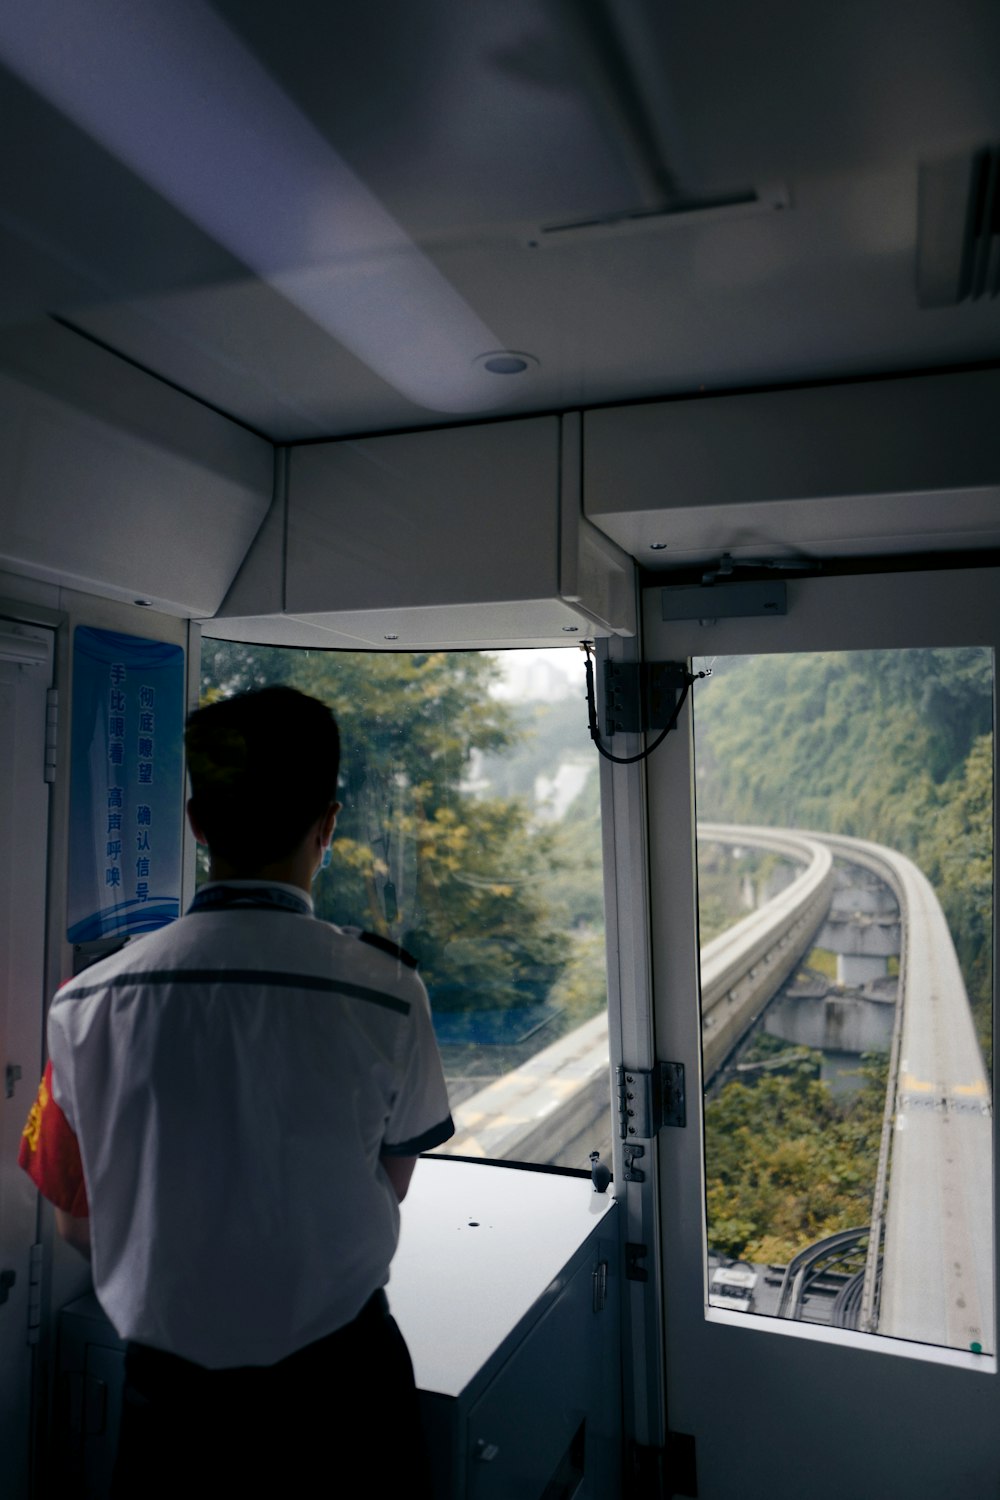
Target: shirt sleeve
{"points": [[420, 1118], [50, 1153]]}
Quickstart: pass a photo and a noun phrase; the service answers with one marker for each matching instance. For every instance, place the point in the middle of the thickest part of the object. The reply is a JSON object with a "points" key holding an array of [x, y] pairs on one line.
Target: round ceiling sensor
{"points": [[506, 361]]}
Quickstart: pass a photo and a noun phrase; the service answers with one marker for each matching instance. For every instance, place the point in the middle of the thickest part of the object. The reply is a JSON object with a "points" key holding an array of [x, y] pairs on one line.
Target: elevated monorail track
{"points": [[544, 1105], [934, 1198], [929, 1272], [929, 1276], [745, 965]]}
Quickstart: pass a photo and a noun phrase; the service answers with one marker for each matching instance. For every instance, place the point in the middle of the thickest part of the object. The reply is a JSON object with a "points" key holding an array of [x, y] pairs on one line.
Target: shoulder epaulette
{"points": [[386, 946]]}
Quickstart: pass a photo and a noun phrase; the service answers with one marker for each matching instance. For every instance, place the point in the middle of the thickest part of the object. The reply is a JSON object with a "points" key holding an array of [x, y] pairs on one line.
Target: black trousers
{"points": [[347, 1402]]}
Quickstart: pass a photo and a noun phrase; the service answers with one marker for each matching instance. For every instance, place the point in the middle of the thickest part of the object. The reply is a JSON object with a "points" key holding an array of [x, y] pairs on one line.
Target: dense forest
{"points": [[788, 1163]]}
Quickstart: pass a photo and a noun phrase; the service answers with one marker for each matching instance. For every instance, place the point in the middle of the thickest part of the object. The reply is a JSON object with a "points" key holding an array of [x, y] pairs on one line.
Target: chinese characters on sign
{"points": [[126, 807], [117, 709]]}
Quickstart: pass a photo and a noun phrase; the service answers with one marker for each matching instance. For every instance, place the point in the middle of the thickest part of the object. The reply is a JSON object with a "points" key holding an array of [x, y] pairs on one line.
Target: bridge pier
{"points": [[862, 927], [833, 1022]]}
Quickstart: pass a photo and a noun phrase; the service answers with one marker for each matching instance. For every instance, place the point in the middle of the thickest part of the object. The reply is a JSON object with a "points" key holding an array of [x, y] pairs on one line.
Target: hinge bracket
{"points": [[649, 1099], [34, 1294], [51, 733], [640, 695], [631, 1153], [635, 1253]]}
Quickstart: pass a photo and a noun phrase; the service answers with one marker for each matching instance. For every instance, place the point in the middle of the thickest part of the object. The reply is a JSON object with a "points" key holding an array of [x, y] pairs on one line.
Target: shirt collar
{"points": [[258, 895]]}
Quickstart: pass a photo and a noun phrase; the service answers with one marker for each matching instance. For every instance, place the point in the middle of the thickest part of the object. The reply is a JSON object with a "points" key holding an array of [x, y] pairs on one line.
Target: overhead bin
{"points": [[118, 485], [461, 536], [828, 470]]}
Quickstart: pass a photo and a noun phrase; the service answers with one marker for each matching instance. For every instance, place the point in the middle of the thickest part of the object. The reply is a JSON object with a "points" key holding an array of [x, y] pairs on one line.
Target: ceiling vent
{"points": [[958, 229], [643, 221]]}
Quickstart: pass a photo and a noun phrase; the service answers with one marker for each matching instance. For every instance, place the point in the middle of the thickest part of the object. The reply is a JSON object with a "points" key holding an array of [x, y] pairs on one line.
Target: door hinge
{"points": [[34, 1294], [649, 1099], [51, 732]]}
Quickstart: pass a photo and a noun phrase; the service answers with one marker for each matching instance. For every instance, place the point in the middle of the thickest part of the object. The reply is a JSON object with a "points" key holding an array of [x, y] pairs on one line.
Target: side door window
{"points": [[823, 969]]}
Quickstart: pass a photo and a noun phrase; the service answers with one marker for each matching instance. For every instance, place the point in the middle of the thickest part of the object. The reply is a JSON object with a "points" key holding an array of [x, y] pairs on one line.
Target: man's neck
{"points": [[291, 871]]}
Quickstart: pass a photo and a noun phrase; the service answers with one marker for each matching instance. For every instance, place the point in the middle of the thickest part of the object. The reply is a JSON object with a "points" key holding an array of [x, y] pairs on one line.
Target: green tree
{"points": [[787, 1164], [419, 857]]}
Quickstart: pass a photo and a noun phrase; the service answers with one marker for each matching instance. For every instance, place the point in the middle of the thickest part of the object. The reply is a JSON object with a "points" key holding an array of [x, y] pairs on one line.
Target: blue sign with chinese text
{"points": [[126, 785]]}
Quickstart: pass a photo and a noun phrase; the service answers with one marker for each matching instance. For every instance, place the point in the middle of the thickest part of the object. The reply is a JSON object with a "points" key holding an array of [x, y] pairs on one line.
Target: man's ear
{"points": [[196, 827], [329, 822]]}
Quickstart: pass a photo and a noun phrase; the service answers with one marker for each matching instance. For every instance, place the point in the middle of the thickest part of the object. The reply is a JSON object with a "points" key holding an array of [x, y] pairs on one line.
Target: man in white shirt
{"points": [[230, 1116]]}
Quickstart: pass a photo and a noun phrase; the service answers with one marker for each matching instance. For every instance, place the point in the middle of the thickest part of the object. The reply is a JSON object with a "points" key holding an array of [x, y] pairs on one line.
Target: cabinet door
{"points": [[551, 1415], [866, 711]]}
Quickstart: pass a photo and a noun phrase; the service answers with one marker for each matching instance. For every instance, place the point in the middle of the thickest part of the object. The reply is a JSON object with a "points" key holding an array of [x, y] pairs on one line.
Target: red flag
{"points": [[50, 1153]]}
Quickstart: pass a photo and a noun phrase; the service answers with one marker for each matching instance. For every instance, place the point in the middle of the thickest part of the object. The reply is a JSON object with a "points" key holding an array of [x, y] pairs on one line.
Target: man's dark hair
{"points": [[263, 768]]}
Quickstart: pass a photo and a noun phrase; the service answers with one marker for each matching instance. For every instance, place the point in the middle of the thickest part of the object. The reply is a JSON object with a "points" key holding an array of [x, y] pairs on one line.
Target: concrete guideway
{"points": [[934, 1192], [534, 1110], [746, 965]]}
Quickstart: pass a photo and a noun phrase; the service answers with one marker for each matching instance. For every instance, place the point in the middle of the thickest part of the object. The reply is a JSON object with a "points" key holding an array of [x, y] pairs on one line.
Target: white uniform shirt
{"points": [[233, 1080]]}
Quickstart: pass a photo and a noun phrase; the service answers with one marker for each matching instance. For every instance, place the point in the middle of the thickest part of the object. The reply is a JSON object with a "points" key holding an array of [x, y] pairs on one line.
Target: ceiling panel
{"points": [[397, 237]]}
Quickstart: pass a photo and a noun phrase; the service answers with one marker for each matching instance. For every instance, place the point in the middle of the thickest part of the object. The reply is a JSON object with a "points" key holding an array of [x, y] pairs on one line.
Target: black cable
{"points": [[595, 734]]}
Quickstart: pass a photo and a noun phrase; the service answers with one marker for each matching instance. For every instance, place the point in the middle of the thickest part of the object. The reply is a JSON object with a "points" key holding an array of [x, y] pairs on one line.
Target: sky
{"points": [[541, 672]]}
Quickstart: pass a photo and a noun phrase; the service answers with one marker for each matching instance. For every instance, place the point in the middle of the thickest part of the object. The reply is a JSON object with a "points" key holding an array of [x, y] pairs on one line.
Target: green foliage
{"points": [[229, 667], [840, 741], [787, 1164], [731, 884], [582, 989], [544, 731], [576, 885], [894, 746], [824, 962]]}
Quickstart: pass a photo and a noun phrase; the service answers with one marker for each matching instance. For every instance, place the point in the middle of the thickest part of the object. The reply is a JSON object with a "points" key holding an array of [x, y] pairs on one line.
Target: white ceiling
{"points": [[315, 216]]}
